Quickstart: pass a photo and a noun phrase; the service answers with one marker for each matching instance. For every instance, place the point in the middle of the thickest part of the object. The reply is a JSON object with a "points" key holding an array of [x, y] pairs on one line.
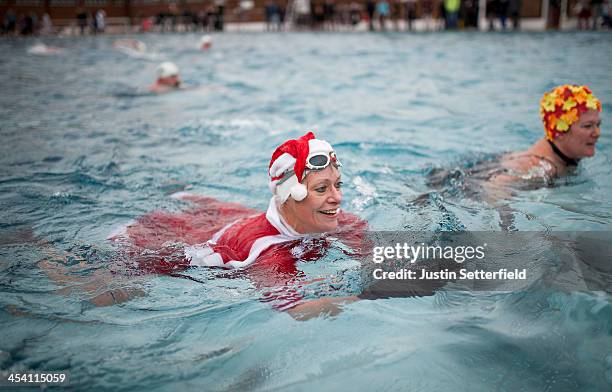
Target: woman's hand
{"points": [[330, 306]]}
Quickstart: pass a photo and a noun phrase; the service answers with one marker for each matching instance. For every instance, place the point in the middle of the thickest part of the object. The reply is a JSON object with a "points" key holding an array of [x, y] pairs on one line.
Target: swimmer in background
{"points": [[572, 127], [134, 48], [571, 119], [205, 43], [42, 49], [572, 124], [130, 45], [168, 78]]}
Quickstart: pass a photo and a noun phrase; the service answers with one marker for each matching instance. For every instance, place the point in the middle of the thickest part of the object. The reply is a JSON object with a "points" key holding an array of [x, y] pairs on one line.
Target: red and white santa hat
{"points": [[288, 164]]}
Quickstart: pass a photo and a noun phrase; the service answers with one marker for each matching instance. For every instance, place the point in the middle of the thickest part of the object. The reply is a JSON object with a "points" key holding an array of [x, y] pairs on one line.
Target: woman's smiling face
{"points": [[580, 141], [318, 212]]}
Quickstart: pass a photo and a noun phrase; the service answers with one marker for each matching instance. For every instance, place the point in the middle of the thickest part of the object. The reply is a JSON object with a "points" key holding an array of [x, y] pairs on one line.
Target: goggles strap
{"points": [[285, 177]]}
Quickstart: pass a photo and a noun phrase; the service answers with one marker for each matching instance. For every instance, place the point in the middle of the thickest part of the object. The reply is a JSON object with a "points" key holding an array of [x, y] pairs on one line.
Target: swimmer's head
{"points": [[563, 106], [205, 42], [305, 180], [167, 69], [293, 160], [168, 74]]}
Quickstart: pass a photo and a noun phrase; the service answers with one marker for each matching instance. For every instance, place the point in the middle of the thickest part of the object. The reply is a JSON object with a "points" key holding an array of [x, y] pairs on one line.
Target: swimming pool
{"points": [[85, 150]]}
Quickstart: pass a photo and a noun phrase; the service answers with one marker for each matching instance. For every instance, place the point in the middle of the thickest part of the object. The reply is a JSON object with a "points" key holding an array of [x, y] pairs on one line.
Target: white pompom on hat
{"points": [[167, 69], [288, 164]]}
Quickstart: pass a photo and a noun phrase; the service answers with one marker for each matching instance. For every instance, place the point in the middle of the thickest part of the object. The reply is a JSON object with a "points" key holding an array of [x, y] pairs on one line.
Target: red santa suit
{"points": [[228, 235], [239, 244], [218, 234]]}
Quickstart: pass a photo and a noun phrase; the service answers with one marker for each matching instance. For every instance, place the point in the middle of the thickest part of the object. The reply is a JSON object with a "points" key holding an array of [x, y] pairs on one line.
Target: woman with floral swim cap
{"points": [[570, 115], [305, 180], [571, 119]]}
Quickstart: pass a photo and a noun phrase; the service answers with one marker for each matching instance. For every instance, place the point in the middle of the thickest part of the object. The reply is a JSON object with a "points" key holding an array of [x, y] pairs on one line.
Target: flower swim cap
{"points": [[562, 106]]}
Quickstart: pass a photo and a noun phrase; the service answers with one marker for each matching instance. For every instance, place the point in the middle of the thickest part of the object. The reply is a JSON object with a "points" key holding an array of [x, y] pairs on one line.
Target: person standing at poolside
{"points": [[271, 11], [514, 6], [100, 18], [46, 26], [451, 8], [596, 12], [583, 10], [81, 18], [27, 25], [10, 22], [383, 12], [427, 13], [607, 14], [370, 9], [409, 13]]}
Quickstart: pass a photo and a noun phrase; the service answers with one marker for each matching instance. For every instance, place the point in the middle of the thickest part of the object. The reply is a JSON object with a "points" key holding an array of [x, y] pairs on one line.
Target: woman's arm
{"points": [[328, 306]]}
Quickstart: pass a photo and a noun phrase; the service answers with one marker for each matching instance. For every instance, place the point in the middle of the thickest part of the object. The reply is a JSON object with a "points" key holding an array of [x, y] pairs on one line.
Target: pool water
{"points": [[86, 150]]}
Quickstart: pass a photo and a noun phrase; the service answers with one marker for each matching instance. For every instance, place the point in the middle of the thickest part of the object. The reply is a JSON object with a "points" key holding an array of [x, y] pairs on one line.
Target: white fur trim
{"points": [[283, 191], [282, 164], [259, 246], [319, 146], [272, 186], [204, 256], [275, 218], [292, 186], [299, 192]]}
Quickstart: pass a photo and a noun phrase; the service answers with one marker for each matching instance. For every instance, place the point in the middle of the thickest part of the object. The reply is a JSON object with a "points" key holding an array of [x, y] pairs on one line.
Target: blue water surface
{"points": [[85, 149]]}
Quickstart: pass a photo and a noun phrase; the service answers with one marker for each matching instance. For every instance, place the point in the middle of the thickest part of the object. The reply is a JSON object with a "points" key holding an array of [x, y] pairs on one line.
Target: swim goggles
{"points": [[319, 161], [315, 161]]}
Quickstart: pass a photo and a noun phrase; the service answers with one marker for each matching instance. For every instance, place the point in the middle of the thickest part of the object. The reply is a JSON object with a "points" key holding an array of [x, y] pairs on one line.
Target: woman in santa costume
{"points": [[306, 184]]}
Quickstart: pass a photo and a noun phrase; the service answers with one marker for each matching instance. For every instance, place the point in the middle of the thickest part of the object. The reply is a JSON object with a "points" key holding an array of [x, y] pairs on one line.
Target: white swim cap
{"points": [[206, 40], [167, 69]]}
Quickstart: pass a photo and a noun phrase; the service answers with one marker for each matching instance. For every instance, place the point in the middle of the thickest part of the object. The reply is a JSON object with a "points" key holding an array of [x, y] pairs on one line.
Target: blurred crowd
{"points": [[331, 15], [31, 24], [433, 14], [210, 19], [593, 14], [385, 14], [26, 24]]}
